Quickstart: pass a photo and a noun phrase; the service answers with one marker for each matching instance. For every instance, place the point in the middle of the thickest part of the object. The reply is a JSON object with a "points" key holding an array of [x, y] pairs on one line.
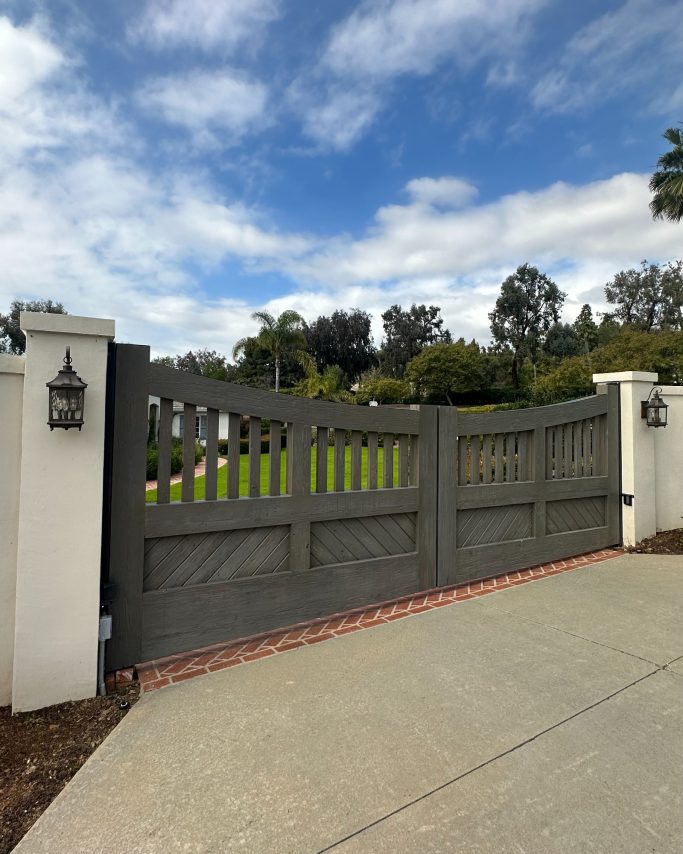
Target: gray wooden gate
{"points": [[412, 500]]}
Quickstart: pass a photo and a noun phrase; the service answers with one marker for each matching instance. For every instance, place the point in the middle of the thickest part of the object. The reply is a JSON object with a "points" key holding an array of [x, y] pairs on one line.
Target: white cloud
{"points": [[205, 101], [340, 117], [43, 104], [27, 58], [340, 97], [616, 54], [207, 25], [446, 192], [383, 39]]}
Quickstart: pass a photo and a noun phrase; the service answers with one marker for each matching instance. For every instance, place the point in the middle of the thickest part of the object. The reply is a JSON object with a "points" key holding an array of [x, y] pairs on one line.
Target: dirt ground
{"points": [[41, 751], [664, 543]]}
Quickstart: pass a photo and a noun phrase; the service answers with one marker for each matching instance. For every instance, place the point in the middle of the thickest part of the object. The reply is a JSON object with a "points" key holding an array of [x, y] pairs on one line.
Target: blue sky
{"points": [[177, 165]]}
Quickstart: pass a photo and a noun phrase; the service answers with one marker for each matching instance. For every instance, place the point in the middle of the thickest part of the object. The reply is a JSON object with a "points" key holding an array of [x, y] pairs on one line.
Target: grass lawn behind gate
{"points": [[176, 488]]}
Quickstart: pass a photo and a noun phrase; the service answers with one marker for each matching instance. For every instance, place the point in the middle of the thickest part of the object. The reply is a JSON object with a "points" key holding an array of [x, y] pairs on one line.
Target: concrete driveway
{"points": [[542, 718]]}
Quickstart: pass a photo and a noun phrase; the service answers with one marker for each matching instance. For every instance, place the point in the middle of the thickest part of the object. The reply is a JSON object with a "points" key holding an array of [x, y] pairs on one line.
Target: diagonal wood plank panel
{"points": [[348, 540], [215, 557], [576, 515], [494, 525]]}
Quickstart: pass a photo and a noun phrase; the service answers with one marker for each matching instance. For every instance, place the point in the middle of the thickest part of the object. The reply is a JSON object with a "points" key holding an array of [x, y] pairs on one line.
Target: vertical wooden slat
{"points": [[254, 457], [275, 457], [322, 435], [372, 460], [299, 452], [427, 532], [447, 567], [403, 443], [540, 475], [500, 469], [567, 448], [523, 456], [549, 454], [463, 445], [339, 460], [388, 459], [600, 446], [189, 442], [475, 460], [576, 449], [414, 461], [164, 451], [356, 459], [510, 457], [487, 457], [233, 455], [211, 470], [127, 540], [585, 448]]}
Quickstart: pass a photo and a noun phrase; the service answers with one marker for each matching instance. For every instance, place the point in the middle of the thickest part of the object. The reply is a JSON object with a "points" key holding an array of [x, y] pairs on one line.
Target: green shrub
{"points": [[223, 444], [176, 457]]}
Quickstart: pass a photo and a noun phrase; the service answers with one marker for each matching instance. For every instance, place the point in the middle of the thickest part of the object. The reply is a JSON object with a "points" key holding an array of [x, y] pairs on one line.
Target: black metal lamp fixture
{"points": [[67, 397], [654, 409]]}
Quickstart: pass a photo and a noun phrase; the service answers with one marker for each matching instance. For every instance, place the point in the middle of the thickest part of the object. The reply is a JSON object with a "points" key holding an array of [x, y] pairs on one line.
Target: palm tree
{"points": [[279, 335], [667, 181]]}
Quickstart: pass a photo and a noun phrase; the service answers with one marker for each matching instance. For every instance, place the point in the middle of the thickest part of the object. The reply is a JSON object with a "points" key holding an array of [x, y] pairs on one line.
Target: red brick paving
{"points": [[178, 668]]}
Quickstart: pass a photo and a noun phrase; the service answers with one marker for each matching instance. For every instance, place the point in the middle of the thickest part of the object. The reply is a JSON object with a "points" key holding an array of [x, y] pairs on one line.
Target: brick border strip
{"points": [[178, 668]]}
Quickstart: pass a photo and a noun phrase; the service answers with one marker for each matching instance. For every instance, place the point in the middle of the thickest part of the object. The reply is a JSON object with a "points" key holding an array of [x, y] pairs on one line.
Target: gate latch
{"points": [[627, 499]]}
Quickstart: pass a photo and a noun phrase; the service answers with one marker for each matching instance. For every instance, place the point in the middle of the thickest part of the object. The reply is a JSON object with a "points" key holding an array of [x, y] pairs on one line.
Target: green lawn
{"points": [[244, 475]]}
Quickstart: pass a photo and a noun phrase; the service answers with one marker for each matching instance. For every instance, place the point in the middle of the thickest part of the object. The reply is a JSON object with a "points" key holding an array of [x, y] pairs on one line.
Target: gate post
{"points": [[428, 484], [127, 514], [60, 518], [447, 492]]}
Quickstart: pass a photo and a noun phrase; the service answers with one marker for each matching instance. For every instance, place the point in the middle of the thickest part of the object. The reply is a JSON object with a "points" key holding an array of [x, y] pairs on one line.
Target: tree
{"points": [[667, 182], [562, 341], [206, 363], [11, 337], [328, 385], [586, 328], [383, 390], [649, 298], [528, 305], [407, 333], [443, 370], [278, 336], [343, 339], [629, 350]]}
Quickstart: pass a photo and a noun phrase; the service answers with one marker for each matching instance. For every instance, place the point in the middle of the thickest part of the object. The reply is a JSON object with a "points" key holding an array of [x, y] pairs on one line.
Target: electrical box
{"points": [[105, 627]]}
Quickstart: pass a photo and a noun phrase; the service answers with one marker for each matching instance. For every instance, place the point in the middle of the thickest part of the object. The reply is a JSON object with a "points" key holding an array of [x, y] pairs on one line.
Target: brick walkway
{"points": [[178, 668]]}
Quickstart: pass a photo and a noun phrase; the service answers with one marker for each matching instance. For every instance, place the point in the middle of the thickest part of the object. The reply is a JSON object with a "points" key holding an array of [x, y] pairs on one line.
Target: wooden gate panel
{"points": [[189, 618]]}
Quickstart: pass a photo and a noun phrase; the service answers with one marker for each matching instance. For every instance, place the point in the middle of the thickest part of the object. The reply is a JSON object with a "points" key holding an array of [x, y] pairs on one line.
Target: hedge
{"points": [[176, 457]]}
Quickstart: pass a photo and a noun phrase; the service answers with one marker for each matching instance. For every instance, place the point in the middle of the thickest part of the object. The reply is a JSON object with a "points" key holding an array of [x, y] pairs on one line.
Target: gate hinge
{"points": [[627, 499]]}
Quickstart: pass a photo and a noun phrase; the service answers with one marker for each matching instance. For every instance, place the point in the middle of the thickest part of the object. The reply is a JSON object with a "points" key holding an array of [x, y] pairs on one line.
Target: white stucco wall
{"points": [[669, 462], [651, 458], [11, 392], [60, 518]]}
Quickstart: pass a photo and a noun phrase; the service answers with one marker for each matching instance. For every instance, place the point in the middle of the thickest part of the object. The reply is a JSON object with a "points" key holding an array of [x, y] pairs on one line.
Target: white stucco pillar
{"points": [[11, 394], [60, 518], [669, 462], [638, 471]]}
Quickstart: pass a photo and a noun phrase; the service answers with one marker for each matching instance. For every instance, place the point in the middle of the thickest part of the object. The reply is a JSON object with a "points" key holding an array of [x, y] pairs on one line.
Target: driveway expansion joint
{"points": [[487, 762]]}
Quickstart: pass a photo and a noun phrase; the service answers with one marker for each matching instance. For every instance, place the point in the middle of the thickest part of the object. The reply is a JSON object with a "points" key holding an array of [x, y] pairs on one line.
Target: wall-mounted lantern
{"points": [[654, 409], [66, 397]]}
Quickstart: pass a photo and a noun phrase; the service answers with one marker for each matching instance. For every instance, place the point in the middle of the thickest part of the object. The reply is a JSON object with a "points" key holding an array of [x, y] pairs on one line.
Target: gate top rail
{"points": [[527, 419], [229, 397]]}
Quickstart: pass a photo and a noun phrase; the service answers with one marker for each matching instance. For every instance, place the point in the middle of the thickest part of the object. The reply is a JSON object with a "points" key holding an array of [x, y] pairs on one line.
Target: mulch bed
{"points": [[41, 751], [664, 543]]}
